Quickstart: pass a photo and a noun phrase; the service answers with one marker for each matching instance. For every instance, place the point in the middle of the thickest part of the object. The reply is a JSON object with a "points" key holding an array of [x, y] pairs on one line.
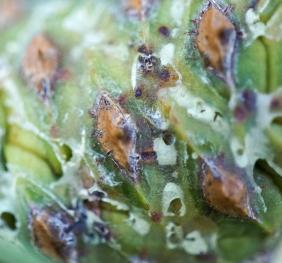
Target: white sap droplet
{"points": [[139, 225], [166, 154], [194, 243], [239, 153], [172, 192], [167, 54], [175, 231]]}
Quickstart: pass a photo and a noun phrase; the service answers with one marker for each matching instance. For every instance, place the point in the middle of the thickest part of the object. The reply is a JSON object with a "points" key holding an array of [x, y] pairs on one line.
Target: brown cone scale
{"points": [[115, 131], [40, 64], [51, 232], [226, 192], [215, 40]]}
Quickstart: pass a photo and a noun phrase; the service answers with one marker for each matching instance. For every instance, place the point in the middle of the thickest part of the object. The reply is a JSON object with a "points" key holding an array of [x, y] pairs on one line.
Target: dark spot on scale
{"points": [[128, 133], [240, 34], [168, 138], [148, 155], [98, 194], [253, 3], [225, 35], [144, 50], [164, 31], [246, 106], [164, 74], [276, 104], [249, 100], [122, 100], [138, 92]]}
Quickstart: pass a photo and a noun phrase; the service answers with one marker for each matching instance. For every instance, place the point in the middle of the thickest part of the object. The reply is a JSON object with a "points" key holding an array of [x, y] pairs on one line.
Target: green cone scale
{"points": [[141, 131]]}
